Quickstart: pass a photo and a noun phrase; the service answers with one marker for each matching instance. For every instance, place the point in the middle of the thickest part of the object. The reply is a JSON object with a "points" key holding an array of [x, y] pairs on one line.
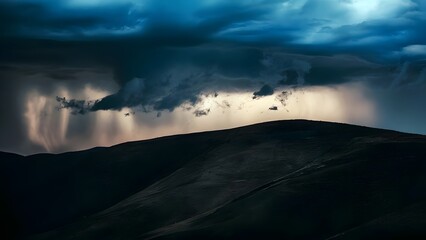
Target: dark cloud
{"points": [[224, 104], [163, 55], [170, 102], [128, 114], [77, 106], [266, 90], [130, 95], [217, 46], [201, 112], [289, 77], [283, 96], [60, 20]]}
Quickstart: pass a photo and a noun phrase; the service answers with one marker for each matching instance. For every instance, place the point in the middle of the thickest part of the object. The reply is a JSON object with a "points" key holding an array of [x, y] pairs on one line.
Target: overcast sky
{"points": [[82, 73]]}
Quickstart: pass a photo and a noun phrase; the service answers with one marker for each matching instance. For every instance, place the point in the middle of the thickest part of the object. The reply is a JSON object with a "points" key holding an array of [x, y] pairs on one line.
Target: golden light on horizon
{"points": [[48, 127]]}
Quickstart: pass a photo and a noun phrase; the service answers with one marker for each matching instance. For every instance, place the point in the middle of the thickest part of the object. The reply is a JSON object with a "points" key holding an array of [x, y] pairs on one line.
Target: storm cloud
{"points": [[266, 90], [160, 56], [150, 40]]}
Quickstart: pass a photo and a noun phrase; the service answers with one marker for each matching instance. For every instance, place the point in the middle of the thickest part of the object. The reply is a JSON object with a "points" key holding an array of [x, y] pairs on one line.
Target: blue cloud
{"points": [[414, 50], [339, 25], [218, 44]]}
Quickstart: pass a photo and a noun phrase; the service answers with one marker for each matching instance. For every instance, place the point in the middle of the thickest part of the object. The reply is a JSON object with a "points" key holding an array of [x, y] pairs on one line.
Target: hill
{"points": [[285, 180]]}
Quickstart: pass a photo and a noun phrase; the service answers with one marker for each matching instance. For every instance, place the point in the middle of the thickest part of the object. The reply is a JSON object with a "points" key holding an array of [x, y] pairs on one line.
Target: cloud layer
{"points": [[163, 55]]}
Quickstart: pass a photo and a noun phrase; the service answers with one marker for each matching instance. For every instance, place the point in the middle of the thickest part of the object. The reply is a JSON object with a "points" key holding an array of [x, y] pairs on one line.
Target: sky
{"points": [[76, 74]]}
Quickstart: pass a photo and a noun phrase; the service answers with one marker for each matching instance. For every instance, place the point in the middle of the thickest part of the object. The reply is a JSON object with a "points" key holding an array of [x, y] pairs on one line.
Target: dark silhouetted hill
{"points": [[276, 180]]}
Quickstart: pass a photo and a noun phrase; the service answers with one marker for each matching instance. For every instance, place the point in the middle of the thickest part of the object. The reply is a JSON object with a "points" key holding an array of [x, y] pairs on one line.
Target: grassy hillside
{"points": [[284, 180]]}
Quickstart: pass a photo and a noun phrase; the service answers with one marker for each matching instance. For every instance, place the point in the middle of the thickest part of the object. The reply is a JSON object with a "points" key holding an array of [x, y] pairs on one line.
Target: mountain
{"points": [[276, 180]]}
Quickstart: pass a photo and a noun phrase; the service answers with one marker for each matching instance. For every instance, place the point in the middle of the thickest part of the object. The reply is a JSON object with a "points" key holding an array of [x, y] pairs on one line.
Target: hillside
{"points": [[285, 180]]}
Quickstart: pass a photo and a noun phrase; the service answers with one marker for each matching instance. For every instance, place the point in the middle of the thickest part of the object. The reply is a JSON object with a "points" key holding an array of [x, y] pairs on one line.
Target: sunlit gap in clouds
{"points": [[48, 127]]}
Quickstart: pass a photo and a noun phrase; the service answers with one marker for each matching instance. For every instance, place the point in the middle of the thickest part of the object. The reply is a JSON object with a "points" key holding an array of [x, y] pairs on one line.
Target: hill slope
{"points": [[286, 179]]}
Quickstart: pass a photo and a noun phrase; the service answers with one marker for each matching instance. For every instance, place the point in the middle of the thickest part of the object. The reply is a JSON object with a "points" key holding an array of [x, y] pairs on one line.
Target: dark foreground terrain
{"points": [[276, 180]]}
